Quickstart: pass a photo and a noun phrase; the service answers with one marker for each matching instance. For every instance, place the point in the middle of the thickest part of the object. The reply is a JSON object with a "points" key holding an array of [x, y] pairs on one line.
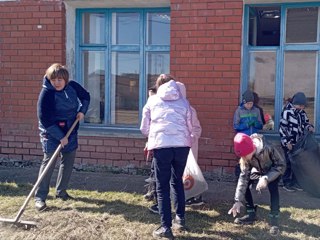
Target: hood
{"points": [[169, 91], [291, 107], [257, 141], [46, 84], [182, 89]]}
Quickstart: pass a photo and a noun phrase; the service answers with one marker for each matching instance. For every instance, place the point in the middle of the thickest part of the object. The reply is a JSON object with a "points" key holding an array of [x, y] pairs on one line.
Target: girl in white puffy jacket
{"points": [[167, 122]]}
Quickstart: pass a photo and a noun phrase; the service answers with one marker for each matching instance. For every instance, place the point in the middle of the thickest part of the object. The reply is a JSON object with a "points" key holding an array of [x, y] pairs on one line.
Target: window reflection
{"points": [[94, 82], [125, 28], [302, 25], [262, 82], [299, 76], [93, 28], [125, 88], [112, 71], [157, 63], [158, 29]]}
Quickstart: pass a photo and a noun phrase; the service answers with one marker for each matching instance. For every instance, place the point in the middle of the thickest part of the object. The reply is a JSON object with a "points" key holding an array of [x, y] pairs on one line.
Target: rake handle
{"points": [[46, 169]]}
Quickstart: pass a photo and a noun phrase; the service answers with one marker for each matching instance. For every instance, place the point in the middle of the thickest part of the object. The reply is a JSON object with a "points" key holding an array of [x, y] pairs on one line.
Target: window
{"points": [[264, 26], [120, 53], [281, 50]]}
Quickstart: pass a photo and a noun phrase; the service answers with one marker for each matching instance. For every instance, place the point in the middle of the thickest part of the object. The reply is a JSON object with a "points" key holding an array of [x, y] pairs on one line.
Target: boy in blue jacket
{"points": [[247, 117]]}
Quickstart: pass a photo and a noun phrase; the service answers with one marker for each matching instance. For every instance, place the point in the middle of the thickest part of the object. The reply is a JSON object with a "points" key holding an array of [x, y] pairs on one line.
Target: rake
{"points": [[29, 224]]}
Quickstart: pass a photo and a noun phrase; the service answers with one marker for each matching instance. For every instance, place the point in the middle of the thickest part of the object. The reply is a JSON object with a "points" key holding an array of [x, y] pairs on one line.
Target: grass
{"points": [[121, 215]]}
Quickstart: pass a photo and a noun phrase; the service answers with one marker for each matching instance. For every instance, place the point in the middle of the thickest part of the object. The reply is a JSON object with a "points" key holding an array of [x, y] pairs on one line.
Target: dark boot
{"points": [[274, 224], [249, 218]]}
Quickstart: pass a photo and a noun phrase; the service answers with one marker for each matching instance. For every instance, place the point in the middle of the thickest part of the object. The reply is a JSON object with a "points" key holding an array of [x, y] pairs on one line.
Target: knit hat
{"points": [[299, 99], [243, 145], [247, 96]]}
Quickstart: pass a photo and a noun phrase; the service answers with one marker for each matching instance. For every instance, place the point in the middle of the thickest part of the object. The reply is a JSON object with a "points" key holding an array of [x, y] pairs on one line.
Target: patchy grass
{"points": [[121, 215]]}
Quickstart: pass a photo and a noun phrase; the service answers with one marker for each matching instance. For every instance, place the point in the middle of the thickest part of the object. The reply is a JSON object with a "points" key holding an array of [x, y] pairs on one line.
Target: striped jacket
{"points": [[293, 123]]}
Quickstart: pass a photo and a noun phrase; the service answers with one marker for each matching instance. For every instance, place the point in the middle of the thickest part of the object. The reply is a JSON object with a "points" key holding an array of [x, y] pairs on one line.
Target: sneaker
{"points": [[274, 231], [245, 220], [179, 224], [65, 197], [162, 232], [150, 180], [297, 187], [288, 188], [40, 205], [249, 218], [154, 209], [149, 196], [194, 202]]}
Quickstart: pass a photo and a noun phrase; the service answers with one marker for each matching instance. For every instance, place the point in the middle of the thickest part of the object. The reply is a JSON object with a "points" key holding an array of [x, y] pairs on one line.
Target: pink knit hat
{"points": [[243, 145]]}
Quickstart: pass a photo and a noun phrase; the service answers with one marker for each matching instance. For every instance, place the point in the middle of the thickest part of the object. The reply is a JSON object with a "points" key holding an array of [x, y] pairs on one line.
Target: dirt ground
{"points": [[105, 181]]}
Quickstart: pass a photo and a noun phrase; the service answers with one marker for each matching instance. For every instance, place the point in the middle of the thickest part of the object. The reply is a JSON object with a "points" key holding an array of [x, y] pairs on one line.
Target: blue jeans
{"points": [[64, 174], [169, 164]]}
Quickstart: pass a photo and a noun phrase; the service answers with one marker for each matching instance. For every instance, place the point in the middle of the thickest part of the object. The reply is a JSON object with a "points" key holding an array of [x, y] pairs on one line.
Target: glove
{"points": [[262, 184], [235, 209]]}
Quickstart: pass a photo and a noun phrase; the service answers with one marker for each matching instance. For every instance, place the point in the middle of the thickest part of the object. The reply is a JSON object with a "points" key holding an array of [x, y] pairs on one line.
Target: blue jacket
{"points": [[57, 110], [247, 121]]}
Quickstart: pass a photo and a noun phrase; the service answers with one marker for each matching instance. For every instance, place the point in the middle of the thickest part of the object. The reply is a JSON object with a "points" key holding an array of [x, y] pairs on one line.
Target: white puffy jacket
{"points": [[167, 119]]}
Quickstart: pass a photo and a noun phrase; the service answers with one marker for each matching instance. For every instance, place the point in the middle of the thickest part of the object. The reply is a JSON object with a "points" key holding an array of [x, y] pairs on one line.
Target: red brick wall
{"points": [[31, 38], [205, 54]]}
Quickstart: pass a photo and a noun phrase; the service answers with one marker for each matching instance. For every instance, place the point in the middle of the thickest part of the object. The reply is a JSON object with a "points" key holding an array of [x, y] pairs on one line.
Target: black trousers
{"points": [[274, 196]]}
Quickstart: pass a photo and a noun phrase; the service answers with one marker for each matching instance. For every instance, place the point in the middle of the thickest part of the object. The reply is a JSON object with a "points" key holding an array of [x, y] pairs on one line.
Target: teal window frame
{"points": [[143, 48], [280, 52]]}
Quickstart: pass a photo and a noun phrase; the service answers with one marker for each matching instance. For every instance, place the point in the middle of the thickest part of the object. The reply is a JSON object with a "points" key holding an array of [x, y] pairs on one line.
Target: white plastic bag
{"points": [[193, 180]]}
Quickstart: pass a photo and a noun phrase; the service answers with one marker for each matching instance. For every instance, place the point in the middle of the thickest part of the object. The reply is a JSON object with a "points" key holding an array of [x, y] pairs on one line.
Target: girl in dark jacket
{"points": [[259, 160], [60, 103]]}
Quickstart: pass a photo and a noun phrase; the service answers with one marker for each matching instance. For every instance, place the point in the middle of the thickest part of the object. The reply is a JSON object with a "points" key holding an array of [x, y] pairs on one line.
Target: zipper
{"points": [[65, 93]]}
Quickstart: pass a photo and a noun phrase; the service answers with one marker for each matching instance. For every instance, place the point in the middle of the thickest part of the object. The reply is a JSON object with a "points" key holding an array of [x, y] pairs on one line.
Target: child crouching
{"points": [[262, 161]]}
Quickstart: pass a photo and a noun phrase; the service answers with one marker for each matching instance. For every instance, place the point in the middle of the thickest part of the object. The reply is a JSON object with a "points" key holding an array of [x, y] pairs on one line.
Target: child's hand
{"points": [[262, 184], [235, 209], [251, 123], [256, 124], [311, 129]]}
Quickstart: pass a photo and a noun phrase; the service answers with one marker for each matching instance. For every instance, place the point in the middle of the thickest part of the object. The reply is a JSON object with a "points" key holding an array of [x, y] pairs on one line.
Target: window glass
{"points": [[125, 28], [302, 25], [93, 28], [299, 76], [94, 81], [262, 70], [119, 70], [125, 88], [264, 26], [158, 28], [157, 63]]}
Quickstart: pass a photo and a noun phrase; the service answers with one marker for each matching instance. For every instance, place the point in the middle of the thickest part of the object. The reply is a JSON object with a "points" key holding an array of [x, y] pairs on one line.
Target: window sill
{"points": [[110, 132]]}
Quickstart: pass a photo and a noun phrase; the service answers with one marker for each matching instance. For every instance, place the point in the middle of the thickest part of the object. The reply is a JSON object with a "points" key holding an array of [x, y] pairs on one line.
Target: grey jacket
{"points": [[268, 161]]}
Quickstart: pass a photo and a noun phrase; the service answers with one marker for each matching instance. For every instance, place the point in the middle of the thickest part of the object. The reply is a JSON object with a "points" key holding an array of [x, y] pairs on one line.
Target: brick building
{"points": [[116, 48]]}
